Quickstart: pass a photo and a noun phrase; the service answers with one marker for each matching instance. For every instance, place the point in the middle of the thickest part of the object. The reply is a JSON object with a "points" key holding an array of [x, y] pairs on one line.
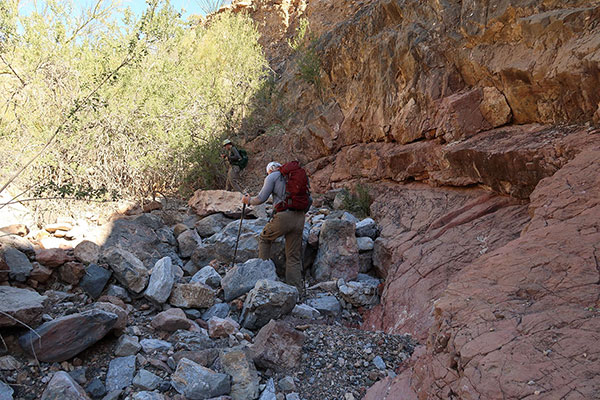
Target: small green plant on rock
{"points": [[357, 201], [309, 64]]}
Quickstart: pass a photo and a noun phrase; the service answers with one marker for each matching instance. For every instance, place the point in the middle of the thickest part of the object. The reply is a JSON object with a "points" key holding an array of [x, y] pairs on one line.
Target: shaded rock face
{"points": [[337, 256]]}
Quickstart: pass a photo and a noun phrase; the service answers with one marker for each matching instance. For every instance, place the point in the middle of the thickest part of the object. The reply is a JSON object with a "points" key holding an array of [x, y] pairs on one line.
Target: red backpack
{"points": [[297, 193]]}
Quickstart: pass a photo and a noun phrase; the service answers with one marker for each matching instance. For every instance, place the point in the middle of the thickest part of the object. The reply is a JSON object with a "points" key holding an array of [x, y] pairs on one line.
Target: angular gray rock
{"points": [[220, 310], [19, 267], [145, 395], [120, 312], [305, 311], [17, 242], [221, 245], [188, 242], [241, 279], [207, 276], [120, 373], [269, 392], [350, 218], [152, 345], [128, 269], [359, 294], [146, 380], [20, 304], [268, 300], [118, 291], [63, 387], [145, 236], [96, 388], [197, 382], [127, 346], [211, 225], [287, 384], [161, 281], [94, 280], [326, 305], [171, 320], [65, 337], [191, 341], [6, 392], [244, 378], [367, 227], [365, 261], [192, 295], [364, 243], [337, 256]]}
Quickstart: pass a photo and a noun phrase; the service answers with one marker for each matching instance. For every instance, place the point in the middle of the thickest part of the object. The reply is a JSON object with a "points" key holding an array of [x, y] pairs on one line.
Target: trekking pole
{"points": [[237, 241]]}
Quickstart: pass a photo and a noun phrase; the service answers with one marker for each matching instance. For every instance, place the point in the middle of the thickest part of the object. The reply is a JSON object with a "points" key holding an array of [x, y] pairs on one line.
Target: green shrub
{"points": [[307, 59], [357, 201]]}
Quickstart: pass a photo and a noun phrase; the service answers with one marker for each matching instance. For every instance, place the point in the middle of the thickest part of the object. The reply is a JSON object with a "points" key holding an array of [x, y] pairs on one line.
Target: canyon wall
{"points": [[473, 123]]}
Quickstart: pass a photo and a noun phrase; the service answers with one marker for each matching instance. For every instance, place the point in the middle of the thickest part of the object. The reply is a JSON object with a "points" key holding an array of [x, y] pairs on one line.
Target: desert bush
{"points": [[304, 45], [357, 201], [156, 123]]}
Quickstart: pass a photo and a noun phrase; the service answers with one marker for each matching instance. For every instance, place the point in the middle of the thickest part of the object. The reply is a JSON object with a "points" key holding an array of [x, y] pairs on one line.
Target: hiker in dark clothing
{"points": [[289, 223], [233, 156]]}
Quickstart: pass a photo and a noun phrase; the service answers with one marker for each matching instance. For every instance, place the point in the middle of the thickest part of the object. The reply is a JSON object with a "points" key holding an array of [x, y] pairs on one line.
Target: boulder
{"points": [[171, 320], [211, 225], [161, 281], [20, 305], [19, 267], [338, 251], [179, 229], [268, 300], [207, 202], [65, 337], [305, 311], [52, 258], [277, 346], [39, 273], [155, 345], [87, 252], [364, 244], [120, 373], [192, 295], [96, 388], [243, 277], [63, 387], [244, 378], [222, 327], [220, 310], [197, 382], [94, 280], [19, 243], [145, 236], [128, 269], [360, 294], [207, 276], [188, 242]]}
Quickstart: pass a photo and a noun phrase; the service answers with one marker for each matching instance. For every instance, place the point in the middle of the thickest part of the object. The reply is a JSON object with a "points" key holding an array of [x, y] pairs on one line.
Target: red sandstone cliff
{"points": [[473, 124]]}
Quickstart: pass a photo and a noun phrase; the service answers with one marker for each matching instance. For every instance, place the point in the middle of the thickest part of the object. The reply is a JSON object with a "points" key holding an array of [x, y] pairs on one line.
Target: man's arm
{"points": [[234, 155], [264, 194]]}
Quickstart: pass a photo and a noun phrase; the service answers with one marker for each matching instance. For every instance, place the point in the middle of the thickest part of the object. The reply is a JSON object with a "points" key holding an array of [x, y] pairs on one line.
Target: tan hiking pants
{"points": [[290, 224], [233, 179]]}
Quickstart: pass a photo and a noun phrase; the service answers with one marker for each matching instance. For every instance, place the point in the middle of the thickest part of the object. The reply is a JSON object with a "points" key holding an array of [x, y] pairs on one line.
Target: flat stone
{"points": [[19, 266], [197, 382], [244, 378], [277, 346], [59, 226], [128, 269], [20, 304], [161, 281], [207, 202], [53, 258], [243, 277], [364, 243], [305, 311], [63, 387], [326, 305], [65, 337], [220, 310], [146, 380], [192, 295], [152, 345], [87, 252], [207, 276], [127, 346], [171, 320], [120, 373], [94, 280], [268, 300], [367, 227]]}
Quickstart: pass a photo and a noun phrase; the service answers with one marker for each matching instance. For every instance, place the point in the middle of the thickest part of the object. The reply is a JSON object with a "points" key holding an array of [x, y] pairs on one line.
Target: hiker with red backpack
{"points": [[288, 184]]}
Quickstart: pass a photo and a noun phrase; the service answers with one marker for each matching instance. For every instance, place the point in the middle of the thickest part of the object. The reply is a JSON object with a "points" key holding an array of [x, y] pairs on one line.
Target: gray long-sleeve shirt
{"points": [[274, 184]]}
